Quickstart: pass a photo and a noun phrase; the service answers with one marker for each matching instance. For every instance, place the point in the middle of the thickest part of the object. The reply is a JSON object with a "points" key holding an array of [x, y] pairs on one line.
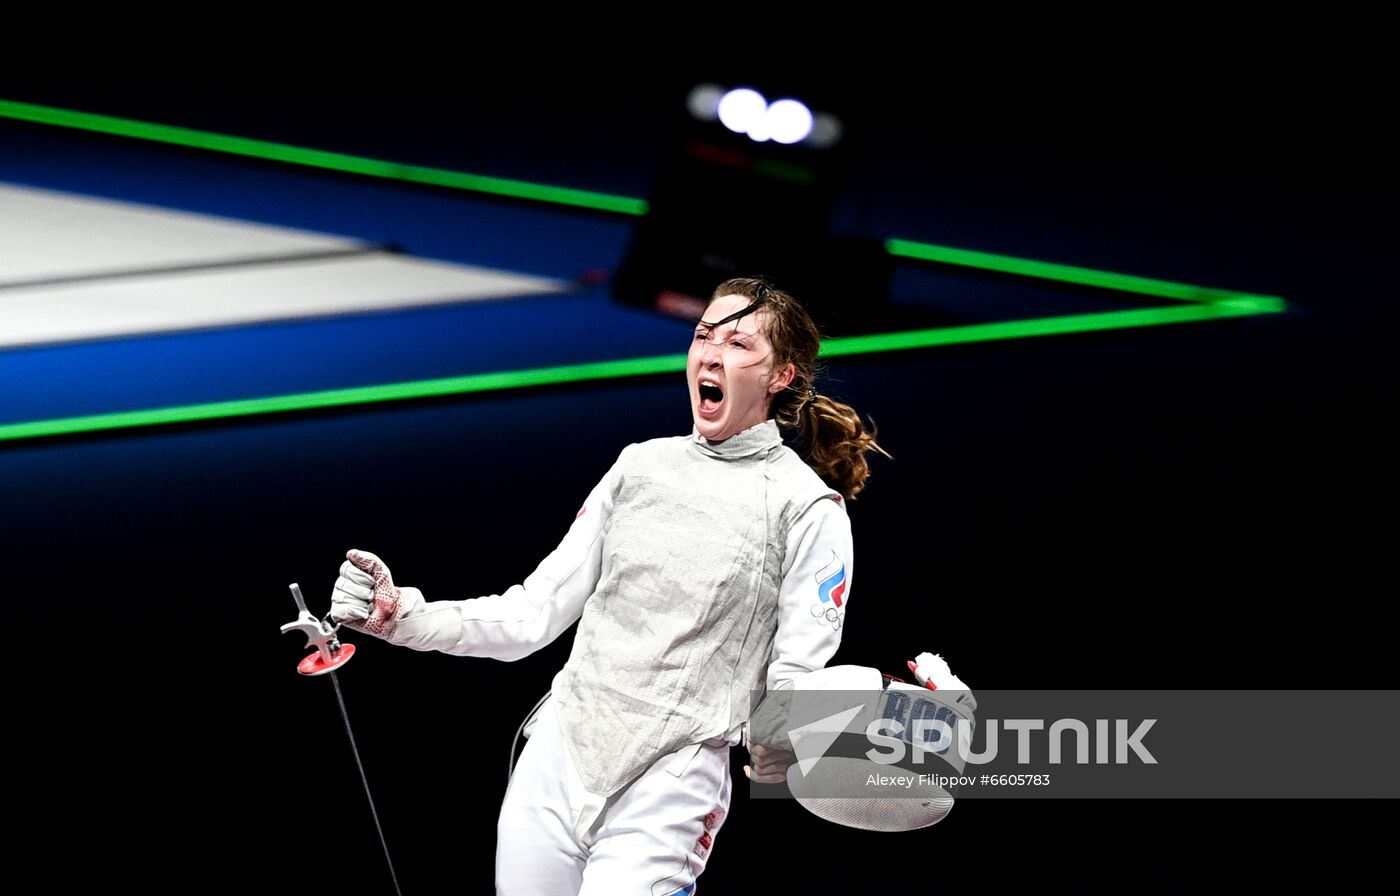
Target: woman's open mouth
{"points": [[711, 397]]}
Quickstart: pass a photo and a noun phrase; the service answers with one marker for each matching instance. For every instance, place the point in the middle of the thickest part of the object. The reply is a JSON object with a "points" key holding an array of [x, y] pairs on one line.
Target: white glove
{"points": [[365, 597], [932, 671]]}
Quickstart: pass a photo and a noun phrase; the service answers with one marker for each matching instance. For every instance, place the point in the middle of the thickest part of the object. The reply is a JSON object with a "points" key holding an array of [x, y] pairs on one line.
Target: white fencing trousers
{"points": [[652, 838]]}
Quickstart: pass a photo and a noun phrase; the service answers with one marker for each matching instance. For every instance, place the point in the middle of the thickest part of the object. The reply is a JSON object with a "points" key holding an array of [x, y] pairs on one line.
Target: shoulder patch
{"points": [[831, 588], [831, 581]]}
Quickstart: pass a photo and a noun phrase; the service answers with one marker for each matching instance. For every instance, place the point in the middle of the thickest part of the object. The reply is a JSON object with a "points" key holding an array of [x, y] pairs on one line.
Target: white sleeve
{"points": [[529, 615], [816, 587]]}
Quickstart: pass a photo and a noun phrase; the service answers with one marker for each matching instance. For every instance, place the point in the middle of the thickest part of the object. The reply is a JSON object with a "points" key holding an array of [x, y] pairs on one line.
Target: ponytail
{"points": [[833, 441]]}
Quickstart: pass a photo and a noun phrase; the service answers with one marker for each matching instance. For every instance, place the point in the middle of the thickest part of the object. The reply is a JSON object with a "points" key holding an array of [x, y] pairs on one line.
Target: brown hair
{"points": [[831, 437]]}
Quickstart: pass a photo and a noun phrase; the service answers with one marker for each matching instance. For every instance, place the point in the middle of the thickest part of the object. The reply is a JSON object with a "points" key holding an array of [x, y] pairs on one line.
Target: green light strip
{"points": [[315, 158], [1045, 270], [1044, 326], [456, 385], [490, 382]]}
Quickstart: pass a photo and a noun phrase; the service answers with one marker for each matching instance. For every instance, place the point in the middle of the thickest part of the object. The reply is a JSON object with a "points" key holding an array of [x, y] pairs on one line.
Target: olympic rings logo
{"points": [[828, 616]]}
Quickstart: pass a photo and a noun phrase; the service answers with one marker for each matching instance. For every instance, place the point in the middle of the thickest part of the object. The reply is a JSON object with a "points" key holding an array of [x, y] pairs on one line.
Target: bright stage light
{"points": [[789, 121], [743, 111]]}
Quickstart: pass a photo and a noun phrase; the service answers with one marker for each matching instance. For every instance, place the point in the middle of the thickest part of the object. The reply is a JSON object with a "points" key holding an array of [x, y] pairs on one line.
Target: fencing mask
{"points": [[873, 752]]}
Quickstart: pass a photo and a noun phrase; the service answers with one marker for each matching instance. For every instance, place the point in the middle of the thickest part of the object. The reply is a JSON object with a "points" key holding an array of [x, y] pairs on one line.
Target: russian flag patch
{"points": [[831, 581]]}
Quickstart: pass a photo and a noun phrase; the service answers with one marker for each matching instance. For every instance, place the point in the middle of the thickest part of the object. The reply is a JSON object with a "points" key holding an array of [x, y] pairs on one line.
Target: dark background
{"points": [[1196, 505]]}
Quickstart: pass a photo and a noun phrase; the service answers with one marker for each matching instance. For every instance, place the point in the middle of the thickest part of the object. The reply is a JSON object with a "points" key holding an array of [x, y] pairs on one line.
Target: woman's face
{"points": [[730, 371]]}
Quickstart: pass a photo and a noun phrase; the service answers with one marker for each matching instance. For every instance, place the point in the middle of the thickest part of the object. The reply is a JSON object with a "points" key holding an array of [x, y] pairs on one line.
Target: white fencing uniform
{"points": [[698, 571]]}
